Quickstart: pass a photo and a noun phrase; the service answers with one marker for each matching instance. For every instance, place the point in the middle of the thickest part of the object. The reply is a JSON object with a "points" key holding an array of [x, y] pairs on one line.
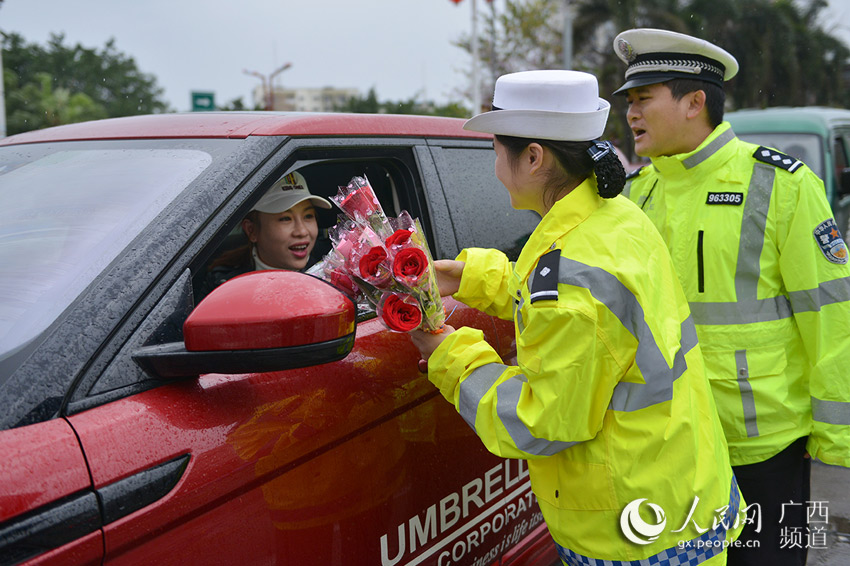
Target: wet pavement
{"points": [[831, 486]]}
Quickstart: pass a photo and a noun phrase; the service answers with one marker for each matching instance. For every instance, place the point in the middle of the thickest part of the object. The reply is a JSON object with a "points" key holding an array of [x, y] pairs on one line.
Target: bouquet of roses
{"points": [[383, 261]]}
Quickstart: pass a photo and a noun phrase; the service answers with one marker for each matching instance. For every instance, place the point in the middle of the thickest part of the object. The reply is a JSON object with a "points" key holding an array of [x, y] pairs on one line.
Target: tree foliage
{"points": [[369, 104], [785, 55], [59, 83]]}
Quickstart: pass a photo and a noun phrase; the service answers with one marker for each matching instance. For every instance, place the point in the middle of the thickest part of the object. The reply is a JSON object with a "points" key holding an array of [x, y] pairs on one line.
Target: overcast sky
{"points": [[402, 48]]}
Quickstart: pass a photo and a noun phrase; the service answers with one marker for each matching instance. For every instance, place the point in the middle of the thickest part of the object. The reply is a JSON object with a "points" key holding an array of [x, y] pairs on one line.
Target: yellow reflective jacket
{"points": [[765, 271], [608, 402]]}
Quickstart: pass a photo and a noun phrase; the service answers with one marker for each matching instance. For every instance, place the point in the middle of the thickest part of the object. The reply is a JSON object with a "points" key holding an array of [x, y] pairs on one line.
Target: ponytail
{"points": [[610, 173]]}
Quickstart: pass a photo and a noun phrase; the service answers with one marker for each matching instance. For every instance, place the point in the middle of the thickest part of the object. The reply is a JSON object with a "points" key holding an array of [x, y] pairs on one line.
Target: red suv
{"points": [[271, 423]]}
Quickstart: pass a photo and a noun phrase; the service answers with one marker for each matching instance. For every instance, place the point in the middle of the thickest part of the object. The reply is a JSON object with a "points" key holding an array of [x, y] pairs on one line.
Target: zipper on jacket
{"points": [[700, 265]]}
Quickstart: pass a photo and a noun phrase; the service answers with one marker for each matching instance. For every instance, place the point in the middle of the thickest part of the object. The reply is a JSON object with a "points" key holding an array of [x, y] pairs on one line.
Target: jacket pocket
{"points": [[751, 390], [573, 484]]}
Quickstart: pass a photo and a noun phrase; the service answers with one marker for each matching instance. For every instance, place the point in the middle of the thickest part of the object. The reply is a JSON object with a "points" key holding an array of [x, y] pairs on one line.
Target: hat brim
{"points": [[543, 124], [658, 78], [317, 201], [642, 81]]}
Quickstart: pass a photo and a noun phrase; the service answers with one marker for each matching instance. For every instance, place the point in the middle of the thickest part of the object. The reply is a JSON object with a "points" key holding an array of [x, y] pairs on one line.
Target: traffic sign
{"points": [[203, 101]]}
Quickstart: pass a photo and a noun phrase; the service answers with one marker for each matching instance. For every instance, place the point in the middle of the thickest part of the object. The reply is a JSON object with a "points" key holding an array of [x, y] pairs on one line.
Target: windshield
{"points": [[66, 214], [805, 147]]}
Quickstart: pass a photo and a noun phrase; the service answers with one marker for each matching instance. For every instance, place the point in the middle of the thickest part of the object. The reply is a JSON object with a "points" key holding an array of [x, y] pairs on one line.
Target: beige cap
{"points": [[288, 191]]}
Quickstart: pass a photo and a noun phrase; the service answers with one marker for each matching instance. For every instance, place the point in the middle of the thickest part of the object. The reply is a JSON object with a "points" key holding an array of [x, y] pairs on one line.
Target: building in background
{"points": [[325, 99]]}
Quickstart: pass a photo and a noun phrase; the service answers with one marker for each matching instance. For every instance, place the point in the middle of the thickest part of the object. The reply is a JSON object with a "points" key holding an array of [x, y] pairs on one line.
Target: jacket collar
{"points": [[710, 150], [568, 212]]}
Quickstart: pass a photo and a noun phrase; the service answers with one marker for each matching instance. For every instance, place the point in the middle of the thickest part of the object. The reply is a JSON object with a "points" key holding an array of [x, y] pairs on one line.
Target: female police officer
{"points": [[608, 402]]}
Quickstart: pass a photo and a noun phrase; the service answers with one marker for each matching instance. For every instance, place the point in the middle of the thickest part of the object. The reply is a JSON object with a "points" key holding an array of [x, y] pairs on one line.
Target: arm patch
{"points": [[544, 287], [779, 159]]}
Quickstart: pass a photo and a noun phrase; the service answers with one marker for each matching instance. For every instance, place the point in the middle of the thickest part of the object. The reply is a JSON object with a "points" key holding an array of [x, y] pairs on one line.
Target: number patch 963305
{"points": [[725, 198]]}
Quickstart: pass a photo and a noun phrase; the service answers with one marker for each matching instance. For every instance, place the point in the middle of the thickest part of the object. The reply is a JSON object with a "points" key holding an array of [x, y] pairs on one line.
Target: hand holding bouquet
{"points": [[387, 259]]}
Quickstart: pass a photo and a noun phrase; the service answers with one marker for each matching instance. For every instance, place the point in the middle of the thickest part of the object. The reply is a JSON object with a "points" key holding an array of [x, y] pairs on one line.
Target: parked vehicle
{"points": [[817, 136], [271, 424]]}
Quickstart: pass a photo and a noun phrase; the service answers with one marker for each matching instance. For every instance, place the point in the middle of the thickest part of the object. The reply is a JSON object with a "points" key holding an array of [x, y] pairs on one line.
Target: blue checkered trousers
{"points": [[691, 553]]}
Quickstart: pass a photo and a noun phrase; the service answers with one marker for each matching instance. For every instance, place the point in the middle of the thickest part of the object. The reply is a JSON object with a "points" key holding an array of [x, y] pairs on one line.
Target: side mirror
{"points": [[258, 322]]}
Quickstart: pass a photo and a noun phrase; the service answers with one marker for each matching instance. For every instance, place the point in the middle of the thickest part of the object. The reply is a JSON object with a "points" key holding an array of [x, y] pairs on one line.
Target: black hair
{"points": [[715, 96], [576, 165]]}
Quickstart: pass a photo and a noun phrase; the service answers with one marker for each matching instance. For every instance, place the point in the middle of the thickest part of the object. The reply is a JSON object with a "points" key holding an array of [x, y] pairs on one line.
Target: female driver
{"points": [[608, 403]]}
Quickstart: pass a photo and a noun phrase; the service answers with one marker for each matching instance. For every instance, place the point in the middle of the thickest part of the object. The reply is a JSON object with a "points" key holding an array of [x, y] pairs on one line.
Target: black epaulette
{"points": [[544, 287], [634, 173], [777, 158]]}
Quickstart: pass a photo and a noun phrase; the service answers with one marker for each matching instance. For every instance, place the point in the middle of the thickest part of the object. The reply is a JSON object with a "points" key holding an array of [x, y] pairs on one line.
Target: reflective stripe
{"points": [[753, 224], [831, 412], [478, 383], [686, 553], [506, 408], [744, 312], [748, 308], [835, 291], [747, 399], [659, 377], [473, 389], [709, 150]]}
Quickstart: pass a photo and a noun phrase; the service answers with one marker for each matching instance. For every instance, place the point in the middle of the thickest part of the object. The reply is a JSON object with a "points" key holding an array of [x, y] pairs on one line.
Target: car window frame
{"points": [[295, 153]]}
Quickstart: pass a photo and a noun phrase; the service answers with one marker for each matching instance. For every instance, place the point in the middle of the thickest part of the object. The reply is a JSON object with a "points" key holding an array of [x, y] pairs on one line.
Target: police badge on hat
{"points": [[830, 242]]}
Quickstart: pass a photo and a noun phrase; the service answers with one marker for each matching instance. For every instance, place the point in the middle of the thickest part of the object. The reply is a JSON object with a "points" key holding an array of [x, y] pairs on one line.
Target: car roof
{"points": [[244, 124], [801, 119]]}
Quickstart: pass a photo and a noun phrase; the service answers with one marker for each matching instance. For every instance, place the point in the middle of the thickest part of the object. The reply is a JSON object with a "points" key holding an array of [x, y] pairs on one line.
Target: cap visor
{"points": [[541, 124], [642, 81]]}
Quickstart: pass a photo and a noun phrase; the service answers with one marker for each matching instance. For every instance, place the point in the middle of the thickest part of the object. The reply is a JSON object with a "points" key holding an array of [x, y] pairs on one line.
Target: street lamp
{"points": [[268, 86]]}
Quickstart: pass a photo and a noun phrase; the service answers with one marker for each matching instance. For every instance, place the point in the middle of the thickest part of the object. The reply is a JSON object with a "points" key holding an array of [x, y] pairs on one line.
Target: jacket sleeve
{"points": [[556, 397], [484, 284], [819, 290]]}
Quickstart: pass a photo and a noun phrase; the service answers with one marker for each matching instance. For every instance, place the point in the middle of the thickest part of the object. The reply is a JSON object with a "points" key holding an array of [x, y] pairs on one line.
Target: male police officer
{"points": [[765, 271]]}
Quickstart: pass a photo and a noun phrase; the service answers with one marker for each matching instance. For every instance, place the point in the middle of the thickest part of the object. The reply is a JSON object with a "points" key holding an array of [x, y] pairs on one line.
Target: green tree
{"points": [[369, 104], [108, 78], [39, 105], [238, 104], [786, 57]]}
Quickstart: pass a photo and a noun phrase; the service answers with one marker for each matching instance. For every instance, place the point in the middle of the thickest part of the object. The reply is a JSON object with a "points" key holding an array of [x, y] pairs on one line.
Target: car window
{"points": [[66, 214], [323, 179], [805, 147], [478, 202]]}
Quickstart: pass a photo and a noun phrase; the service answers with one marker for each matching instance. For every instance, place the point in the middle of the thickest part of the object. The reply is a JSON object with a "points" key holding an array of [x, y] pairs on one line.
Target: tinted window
{"points": [[66, 214], [478, 202]]}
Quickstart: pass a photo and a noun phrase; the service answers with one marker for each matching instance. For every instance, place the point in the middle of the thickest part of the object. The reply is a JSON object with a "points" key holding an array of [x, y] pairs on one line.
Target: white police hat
{"points": [[657, 55], [549, 105], [288, 191]]}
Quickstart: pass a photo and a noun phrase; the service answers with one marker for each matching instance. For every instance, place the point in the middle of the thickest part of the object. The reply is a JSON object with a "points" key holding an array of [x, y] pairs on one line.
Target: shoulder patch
{"points": [[777, 158], [634, 173], [544, 286], [830, 242]]}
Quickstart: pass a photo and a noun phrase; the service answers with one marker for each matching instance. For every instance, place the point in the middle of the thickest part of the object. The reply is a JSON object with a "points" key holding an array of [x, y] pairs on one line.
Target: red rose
{"points": [[398, 238], [409, 264], [400, 315], [371, 261]]}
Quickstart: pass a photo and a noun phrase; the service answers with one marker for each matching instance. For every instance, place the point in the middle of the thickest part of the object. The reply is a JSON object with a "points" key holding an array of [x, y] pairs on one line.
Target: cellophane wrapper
{"points": [[360, 240]]}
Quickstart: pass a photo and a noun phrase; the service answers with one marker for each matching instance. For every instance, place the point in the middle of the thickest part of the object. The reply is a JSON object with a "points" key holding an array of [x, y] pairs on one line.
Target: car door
{"points": [[358, 461], [75, 216]]}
